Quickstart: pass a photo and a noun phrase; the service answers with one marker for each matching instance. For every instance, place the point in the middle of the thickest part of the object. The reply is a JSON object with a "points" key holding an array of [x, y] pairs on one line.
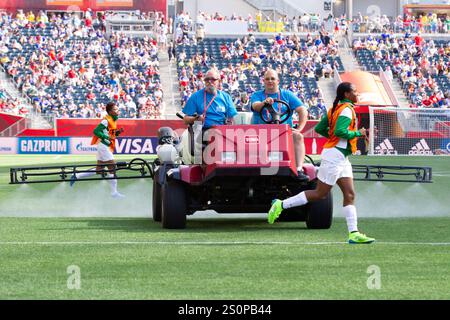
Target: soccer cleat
{"points": [[275, 210], [73, 178], [117, 195], [357, 237]]}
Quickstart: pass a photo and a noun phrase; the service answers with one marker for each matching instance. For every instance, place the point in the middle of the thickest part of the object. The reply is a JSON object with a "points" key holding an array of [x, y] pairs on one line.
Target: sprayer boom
{"points": [[392, 173], [134, 169]]}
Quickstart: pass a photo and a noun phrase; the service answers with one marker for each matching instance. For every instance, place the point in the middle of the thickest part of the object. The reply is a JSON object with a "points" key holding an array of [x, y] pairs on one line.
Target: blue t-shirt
{"points": [[284, 95], [221, 109]]}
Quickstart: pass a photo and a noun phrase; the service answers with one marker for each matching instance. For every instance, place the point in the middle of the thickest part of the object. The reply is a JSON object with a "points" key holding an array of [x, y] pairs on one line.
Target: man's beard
{"points": [[211, 90]]}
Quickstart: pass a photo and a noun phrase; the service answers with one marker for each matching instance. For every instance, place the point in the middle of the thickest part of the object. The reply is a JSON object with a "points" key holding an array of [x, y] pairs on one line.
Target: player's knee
{"points": [[350, 196], [317, 195]]}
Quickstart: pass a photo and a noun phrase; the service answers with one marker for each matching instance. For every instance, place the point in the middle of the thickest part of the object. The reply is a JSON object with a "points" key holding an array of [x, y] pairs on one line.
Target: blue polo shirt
{"points": [[221, 109], [292, 100]]}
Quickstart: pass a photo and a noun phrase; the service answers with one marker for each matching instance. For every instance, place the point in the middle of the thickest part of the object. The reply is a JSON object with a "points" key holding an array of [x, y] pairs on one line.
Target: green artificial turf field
{"points": [[219, 257]]}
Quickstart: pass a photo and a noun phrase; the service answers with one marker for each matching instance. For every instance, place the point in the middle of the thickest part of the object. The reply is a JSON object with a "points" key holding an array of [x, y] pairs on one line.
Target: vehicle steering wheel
{"points": [[276, 117]]}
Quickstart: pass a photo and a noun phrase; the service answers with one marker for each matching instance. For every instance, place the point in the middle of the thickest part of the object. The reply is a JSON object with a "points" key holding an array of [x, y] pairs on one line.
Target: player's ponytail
{"points": [[340, 95]]}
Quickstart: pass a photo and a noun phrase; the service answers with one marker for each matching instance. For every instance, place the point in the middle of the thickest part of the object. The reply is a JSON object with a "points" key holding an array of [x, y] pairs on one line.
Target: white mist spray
{"points": [[85, 199], [384, 200]]}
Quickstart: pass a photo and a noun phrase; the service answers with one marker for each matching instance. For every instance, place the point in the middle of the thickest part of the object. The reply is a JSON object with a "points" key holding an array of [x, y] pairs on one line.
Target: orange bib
{"points": [[112, 126], [332, 120]]}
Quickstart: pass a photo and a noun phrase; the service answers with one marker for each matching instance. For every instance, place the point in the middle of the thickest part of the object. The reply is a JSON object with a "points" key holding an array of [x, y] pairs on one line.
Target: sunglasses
{"points": [[273, 79], [211, 79]]}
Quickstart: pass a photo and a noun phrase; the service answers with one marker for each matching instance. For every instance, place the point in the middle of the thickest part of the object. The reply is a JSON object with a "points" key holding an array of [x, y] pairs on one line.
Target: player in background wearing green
{"points": [[105, 138], [340, 128]]}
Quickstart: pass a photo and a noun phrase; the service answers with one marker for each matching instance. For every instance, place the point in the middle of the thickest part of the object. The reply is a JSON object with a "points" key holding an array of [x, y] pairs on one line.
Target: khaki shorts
{"points": [[330, 172], [104, 153]]}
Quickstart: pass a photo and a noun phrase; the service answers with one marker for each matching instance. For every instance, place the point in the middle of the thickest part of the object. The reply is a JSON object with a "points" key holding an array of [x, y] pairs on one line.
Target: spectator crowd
{"points": [[67, 66], [299, 63], [12, 105], [421, 66]]}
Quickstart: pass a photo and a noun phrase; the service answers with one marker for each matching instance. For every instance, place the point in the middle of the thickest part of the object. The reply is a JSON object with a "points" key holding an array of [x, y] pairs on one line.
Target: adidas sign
{"points": [[385, 148], [421, 148]]}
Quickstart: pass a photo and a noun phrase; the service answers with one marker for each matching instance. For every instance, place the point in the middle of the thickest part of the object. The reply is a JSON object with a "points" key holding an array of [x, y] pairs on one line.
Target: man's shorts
{"points": [[330, 172], [104, 153]]}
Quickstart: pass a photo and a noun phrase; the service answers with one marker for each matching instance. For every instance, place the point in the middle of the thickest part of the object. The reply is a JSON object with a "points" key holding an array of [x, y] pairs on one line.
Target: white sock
{"points": [[295, 201], [113, 183], [299, 168], [85, 174], [350, 216]]}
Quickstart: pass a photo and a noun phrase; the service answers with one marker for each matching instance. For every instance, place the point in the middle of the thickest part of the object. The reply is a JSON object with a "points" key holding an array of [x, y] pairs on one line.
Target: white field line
{"points": [[441, 174], [208, 243]]}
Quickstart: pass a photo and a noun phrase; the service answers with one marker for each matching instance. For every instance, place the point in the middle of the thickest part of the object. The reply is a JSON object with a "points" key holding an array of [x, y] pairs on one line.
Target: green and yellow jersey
{"points": [[340, 128]]}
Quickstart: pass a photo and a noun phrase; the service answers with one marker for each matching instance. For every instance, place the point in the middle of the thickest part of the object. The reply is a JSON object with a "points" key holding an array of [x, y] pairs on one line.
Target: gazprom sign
{"points": [[44, 145]]}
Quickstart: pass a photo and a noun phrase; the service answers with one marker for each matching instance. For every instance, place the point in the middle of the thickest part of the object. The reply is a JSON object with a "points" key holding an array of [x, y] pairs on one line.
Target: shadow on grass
{"points": [[210, 225]]}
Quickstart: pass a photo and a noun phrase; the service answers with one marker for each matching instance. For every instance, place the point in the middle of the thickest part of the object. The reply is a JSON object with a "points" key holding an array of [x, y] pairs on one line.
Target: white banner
{"points": [[8, 145], [226, 27], [82, 146]]}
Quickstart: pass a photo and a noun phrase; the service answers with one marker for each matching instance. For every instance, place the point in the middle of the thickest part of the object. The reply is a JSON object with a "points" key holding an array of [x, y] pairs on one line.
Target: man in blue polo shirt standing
{"points": [[272, 91], [213, 106]]}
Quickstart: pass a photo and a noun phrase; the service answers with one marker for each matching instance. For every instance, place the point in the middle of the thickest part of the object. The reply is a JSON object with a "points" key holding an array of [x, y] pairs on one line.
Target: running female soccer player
{"points": [[339, 127], [105, 138]]}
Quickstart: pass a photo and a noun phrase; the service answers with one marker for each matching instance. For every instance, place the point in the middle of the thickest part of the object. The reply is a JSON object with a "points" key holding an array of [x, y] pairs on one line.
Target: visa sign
{"points": [[47, 145], [136, 145]]}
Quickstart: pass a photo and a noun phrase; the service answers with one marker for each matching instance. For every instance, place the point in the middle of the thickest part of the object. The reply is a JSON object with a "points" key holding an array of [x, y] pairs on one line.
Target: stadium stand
{"points": [[304, 23], [68, 68], [242, 62], [422, 67], [426, 23], [11, 105]]}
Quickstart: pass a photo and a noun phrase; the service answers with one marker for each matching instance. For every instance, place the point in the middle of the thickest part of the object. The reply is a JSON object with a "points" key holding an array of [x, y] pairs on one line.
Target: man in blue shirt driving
{"points": [[272, 91]]}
